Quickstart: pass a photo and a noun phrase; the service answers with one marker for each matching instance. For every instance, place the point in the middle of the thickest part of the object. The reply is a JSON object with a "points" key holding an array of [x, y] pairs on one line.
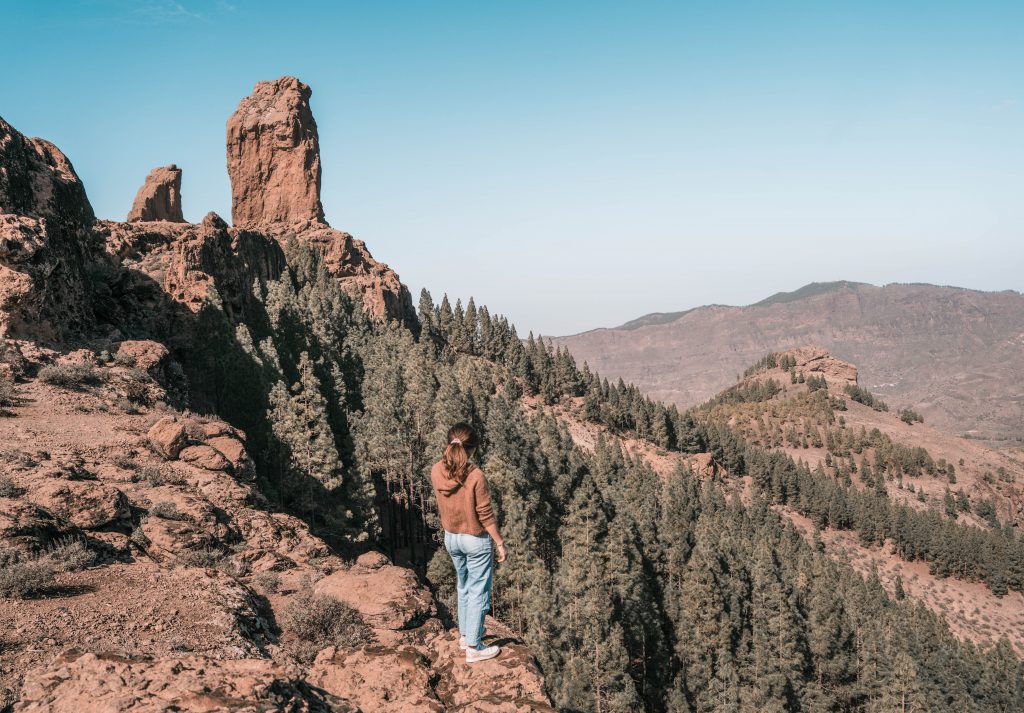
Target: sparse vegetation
{"points": [[318, 621], [768, 361], [7, 394], [267, 582], [70, 376], [8, 488], [910, 417], [22, 576], [206, 558], [166, 510], [71, 554]]}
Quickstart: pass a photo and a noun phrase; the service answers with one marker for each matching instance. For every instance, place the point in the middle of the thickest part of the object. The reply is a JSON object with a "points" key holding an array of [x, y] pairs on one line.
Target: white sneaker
{"points": [[488, 652], [462, 641]]}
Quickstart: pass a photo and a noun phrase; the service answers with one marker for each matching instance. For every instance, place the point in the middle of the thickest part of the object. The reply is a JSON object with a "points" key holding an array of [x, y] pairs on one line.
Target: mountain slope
{"points": [[954, 355]]}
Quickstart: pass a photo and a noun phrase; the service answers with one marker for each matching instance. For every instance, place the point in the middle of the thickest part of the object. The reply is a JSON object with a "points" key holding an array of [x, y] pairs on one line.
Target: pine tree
{"points": [[298, 416], [595, 674]]}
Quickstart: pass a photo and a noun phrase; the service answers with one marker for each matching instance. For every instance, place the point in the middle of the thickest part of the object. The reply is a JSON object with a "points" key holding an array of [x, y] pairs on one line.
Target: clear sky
{"points": [[574, 164]]}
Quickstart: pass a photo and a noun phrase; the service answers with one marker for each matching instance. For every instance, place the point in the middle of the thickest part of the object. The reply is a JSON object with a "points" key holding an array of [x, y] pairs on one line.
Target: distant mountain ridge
{"points": [[954, 354]]}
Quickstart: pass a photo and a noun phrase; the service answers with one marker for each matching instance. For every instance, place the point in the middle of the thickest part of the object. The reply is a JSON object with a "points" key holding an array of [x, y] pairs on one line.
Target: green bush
{"points": [[318, 621], [910, 417], [70, 376]]}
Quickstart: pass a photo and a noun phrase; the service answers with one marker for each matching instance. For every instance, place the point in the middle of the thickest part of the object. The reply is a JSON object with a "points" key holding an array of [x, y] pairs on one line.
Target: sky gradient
{"points": [[574, 164]]}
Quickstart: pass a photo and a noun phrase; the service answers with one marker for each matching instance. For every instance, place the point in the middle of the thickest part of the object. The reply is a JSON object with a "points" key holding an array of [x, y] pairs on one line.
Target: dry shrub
{"points": [[7, 396], [267, 582], [71, 554], [70, 376], [318, 621], [8, 488], [167, 510], [22, 576]]}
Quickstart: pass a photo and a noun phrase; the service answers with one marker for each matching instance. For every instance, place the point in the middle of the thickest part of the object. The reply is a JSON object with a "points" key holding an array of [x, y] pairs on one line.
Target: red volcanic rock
{"points": [[388, 597], [160, 197], [87, 504], [46, 241], [144, 354], [378, 678], [816, 360], [274, 164], [168, 437], [274, 156], [376, 285], [109, 683], [206, 457]]}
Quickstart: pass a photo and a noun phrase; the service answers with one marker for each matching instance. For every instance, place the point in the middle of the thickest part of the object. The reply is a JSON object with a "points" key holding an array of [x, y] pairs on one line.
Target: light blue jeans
{"points": [[474, 566]]}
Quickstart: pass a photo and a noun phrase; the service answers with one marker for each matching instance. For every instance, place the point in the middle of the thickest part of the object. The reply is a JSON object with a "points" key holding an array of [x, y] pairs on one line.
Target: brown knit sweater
{"points": [[464, 508]]}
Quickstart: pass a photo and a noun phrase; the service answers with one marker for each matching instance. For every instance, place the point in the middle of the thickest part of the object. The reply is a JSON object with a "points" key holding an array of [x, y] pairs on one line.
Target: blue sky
{"points": [[575, 164]]}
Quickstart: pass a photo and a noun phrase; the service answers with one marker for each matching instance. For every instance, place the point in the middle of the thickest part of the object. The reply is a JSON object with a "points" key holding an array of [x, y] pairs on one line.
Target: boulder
{"points": [[108, 683], [387, 597], [234, 451], [168, 436], [274, 156], [144, 354], [159, 198], [206, 457], [26, 526], [372, 560], [88, 504]]}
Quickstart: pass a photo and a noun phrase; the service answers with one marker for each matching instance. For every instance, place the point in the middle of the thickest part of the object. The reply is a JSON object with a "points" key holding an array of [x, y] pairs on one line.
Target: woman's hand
{"points": [[502, 552]]}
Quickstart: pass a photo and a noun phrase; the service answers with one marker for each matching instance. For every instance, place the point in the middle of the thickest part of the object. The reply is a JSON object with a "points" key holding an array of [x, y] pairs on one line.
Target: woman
{"points": [[470, 532]]}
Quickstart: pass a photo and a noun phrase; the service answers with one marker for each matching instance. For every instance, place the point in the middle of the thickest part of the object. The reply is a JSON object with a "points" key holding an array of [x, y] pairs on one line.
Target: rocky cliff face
{"points": [[63, 273], [159, 198], [46, 242]]}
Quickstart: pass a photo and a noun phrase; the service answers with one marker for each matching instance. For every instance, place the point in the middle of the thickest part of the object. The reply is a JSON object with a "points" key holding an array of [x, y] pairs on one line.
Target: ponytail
{"points": [[461, 439]]}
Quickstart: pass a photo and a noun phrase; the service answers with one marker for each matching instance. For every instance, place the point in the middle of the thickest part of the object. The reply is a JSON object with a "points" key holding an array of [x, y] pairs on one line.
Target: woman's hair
{"points": [[461, 438]]}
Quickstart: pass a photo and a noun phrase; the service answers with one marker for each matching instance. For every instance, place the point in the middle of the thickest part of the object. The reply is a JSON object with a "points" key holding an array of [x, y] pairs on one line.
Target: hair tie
{"points": [[456, 441]]}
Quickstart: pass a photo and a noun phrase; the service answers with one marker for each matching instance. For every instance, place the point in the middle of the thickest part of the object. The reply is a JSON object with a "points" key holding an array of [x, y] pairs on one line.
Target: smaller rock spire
{"points": [[160, 197]]}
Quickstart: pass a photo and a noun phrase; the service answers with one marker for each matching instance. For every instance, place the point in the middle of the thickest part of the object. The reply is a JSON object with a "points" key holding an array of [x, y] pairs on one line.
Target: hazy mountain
{"points": [[955, 355]]}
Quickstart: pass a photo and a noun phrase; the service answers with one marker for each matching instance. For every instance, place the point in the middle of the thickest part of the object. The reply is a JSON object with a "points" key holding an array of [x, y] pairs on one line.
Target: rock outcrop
{"points": [[274, 157], [274, 164], [46, 242], [817, 361], [63, 272], [159, 198]]}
